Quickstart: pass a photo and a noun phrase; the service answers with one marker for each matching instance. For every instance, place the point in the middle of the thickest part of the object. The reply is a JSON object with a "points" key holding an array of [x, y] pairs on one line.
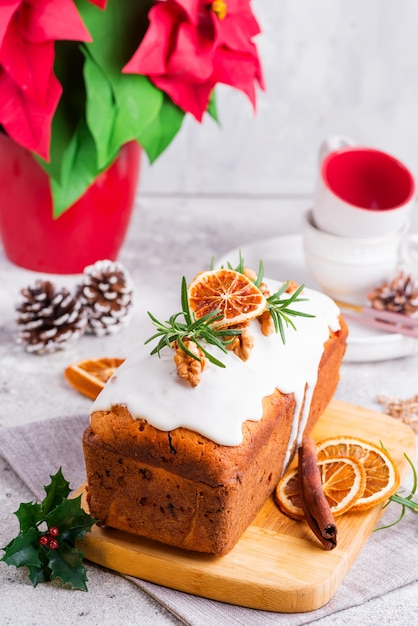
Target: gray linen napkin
{"points": [[386, 562]]}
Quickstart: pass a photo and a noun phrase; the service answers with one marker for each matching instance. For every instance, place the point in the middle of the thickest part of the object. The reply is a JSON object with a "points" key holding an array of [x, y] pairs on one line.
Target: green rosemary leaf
{"points": [[287, 320], [296, 313], [206, 320], [210, 356], [282, 290], [185, 302], [400, 518], [240, 267], [278, 324], [405, 502], [260, 274], [186, 350], [280, 311], [415, 475], [214, 341], [161, 344], [153, 337]]}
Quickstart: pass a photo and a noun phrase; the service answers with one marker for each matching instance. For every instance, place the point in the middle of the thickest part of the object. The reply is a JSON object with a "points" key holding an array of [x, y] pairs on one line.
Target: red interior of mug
{"points": [[368, 178]]}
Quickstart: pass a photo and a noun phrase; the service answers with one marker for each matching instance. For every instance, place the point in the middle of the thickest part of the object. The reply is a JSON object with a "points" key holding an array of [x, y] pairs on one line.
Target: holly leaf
{"points": [[71, 520], [23, 550], [48, 531], [66, 564], [39, 574], [56, 492], [28, 514]]}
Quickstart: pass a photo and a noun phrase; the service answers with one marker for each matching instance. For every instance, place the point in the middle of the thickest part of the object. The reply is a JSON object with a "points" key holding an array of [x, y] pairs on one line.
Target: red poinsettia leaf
{"points": [[191, 98], [191, 58], [241, 12], [191, 7], [186, 44], [239, 75], [24, 121], [29, 65], [150, 56], [99, 3], [230, 66], [44, 20], [232, 32], [6, 14]]}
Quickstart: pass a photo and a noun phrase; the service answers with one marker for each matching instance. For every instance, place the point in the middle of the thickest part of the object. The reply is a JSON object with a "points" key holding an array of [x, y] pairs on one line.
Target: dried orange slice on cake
{"points": [[343, 481], [90, 376], [382, 475], [235, 295]]}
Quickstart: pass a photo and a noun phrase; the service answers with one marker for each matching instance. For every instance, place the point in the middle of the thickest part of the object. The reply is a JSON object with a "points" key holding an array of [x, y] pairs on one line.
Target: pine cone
{"points": [[399, 295], [106, 293], [49, 318]]}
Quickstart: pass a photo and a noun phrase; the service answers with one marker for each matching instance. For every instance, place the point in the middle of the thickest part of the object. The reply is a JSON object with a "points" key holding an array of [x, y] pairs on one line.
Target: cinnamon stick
{"points": [[315, 506]]}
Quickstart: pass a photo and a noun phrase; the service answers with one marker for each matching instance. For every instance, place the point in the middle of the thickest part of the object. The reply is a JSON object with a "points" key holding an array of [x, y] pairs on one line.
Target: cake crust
{"points": [[179, 487]]}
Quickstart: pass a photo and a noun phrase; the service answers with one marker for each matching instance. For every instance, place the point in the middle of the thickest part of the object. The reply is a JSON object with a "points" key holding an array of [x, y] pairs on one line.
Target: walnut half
{"points": [[188, 368]]}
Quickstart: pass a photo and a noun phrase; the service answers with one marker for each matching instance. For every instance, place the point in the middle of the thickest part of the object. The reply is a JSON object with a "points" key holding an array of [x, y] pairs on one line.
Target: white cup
{"points": [[348, 268], [360, 191]]}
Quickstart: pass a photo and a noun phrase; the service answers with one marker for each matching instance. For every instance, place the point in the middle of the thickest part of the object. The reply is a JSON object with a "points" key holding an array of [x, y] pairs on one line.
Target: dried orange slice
{"points": [[343, 481], [235, 295], [382, 475], [90, 376]]}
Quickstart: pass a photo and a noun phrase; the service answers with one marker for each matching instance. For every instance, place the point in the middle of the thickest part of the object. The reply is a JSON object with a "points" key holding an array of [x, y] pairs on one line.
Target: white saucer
{"points": [[283, 259]]}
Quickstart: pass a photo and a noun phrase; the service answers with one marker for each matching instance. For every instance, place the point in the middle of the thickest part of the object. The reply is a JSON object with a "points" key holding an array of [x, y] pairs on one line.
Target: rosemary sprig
{"points": [[196, 330], [241, 269], [405, 502], [278, 306], [280, 311]]}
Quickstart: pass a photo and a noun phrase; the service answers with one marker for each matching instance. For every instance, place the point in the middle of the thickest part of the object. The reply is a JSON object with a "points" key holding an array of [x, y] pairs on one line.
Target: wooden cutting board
{"points": [[277, 565]]}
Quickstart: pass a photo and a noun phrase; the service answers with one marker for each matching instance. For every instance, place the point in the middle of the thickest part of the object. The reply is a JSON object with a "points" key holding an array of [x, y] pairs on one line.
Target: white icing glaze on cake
{"points": [[226, 397]]}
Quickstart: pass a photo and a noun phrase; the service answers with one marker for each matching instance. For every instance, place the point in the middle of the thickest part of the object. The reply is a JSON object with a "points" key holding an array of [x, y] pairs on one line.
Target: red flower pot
{"points": [[93, 228]]}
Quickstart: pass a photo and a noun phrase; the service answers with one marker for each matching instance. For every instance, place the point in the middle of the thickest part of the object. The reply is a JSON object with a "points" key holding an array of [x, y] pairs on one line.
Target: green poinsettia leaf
{"points": [[100, 108], [66, 564], [23, 550], [57, 491], [138, 103], [28, 514], [212, 107], [160, 132], [119, 106], [72, 521], [68, 66], [60, 139], [78, 170]]}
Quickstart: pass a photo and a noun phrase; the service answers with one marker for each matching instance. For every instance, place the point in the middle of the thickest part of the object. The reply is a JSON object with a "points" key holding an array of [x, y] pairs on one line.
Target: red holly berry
{"points": [[44, 540], [53, 544], [53, 531]]}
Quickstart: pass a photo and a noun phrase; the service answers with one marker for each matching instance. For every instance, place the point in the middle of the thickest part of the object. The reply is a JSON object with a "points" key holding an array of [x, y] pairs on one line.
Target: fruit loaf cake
{"points": [[191, 466]]}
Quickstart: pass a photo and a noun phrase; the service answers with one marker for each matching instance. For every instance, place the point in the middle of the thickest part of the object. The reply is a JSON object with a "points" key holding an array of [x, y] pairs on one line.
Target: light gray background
{"points": [[330, 66]]}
